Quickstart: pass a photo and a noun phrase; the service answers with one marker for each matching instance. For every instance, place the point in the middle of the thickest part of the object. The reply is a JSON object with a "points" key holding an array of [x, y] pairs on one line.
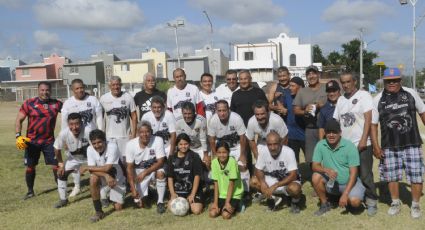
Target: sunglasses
{"points": [[392, 81]]}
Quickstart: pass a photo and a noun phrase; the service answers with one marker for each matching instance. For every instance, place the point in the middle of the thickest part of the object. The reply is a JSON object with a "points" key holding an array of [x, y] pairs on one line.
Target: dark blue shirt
{"points": [[326, 113], [294, 123]]}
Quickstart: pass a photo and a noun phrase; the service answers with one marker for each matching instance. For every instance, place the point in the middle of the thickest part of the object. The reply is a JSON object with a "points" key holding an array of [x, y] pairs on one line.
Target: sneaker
{"points": [[75, 191], [98, 216], [104, 202], [395, 208], [30, 194], [273, 202], [61, 203], [415, 212], [324, 208], [160, 208], [258, 197], [295, 209]]}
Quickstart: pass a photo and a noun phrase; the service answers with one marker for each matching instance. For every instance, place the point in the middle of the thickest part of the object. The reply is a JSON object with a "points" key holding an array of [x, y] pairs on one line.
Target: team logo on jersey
{"points": [[46, 106], [164, 125], [187, 94], [281, 164], [216, 98], [355, 101], [88, 104], [122, 102], [197, 130], [232, 128], [54, 106], [348, 119], [186, 163], [152, 152], [404, 97]]}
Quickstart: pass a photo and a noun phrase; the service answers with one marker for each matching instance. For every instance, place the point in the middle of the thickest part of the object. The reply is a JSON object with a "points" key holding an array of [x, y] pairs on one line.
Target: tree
{"points": [[318, 55], [334, 58]]}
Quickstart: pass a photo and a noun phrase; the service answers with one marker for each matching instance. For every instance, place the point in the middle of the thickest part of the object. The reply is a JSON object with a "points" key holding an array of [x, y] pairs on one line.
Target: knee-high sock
{"points": [[76, 176], [30, 178], [161, 185], [245, 180], [62, 189]]}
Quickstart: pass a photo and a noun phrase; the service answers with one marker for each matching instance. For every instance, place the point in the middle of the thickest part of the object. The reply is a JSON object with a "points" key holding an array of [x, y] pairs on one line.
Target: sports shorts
{"points": [[33, 152], [280, 190]]}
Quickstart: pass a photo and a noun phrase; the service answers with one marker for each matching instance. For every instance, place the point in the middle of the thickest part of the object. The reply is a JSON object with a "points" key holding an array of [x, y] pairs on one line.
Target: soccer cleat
{"points": [[324, 208], [75, 191], [395, 208], [295, 209], [61, 203], [98, 216], [415, 212], [30, 194], [160, 208], [258, 197], [273, 203], [104, 202]]}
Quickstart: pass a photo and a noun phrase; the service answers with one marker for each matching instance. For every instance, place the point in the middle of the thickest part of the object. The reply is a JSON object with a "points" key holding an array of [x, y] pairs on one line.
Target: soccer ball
{"points": [[179, 206]]}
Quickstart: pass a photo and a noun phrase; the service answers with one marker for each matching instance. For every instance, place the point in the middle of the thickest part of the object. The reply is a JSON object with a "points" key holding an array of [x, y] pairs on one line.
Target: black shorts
{"points": [[199, 198], [32, 154], [233, 202]]}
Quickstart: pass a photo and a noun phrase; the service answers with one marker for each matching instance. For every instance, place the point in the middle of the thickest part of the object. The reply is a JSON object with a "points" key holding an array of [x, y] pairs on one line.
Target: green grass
{"points": [[38, 212]]}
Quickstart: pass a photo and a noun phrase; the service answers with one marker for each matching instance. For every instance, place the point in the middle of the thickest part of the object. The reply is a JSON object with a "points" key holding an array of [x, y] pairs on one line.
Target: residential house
{"points": [[159, 60], [8, 68]]}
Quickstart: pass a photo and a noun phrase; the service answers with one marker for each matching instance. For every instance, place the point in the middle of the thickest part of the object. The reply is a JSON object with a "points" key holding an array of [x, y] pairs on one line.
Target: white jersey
{"points": [[229, 132], [89, 108], [75, 147], [176, 97], [224, 93], [162, 127], [146, 157], [209, 101], [111, 156], [197, 132], [350, 114], [118, 114], [275, 123], [277, 168]]}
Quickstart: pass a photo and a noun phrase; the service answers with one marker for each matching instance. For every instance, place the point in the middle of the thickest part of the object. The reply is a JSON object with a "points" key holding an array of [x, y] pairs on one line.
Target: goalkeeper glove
{"points": [[22, 142]]}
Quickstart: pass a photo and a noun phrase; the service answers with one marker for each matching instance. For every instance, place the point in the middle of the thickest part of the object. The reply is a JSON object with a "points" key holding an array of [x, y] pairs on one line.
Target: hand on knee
{"points": [[213, 212], [226, 215]]}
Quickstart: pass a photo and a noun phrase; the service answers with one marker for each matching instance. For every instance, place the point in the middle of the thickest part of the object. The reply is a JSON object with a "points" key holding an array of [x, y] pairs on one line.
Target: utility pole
{"points": [[361, 59]]}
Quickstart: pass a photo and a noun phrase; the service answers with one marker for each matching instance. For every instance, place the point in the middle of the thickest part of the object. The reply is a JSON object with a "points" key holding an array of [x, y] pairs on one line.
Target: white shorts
{"points": [[143, 187], [121, 144], [236, 152], [74, 164], [270, 181], [200, 153], [117, 193]]}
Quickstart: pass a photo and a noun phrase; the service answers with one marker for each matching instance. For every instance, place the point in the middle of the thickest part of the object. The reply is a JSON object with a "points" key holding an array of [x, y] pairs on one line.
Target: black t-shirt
{"points": [[143, 100], [242, 101], [183, 171]]}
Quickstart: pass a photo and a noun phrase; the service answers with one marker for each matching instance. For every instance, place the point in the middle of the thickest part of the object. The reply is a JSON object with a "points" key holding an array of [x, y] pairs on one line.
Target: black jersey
{"points": [[183, 170]]}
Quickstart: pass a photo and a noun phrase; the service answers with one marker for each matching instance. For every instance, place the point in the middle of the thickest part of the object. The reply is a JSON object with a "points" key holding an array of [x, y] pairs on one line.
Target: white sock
{"points": [[295, 200], [245, 180], [160, 188], [415, 204], [396, 201], [76, 175], [104, 190], [62, 189]]}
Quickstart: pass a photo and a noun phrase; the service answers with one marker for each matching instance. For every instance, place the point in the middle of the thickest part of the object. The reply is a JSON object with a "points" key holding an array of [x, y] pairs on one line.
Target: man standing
{"points": [[143, 98], [208, 96], [245, 96], [327, 112], [121, 115], [182, 92], [335, 163], [277, 92], [395, 110], [276, 173], [307, 104], [91, 114], [225, 91], [354, 113], [41, 112]]}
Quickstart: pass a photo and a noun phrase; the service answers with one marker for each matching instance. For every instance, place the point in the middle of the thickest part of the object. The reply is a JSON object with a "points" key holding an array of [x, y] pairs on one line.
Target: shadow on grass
{"points": [[385, 196]]}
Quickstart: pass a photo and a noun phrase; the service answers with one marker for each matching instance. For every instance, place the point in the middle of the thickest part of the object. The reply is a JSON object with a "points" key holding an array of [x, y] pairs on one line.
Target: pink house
{"points": [[50, 69]]}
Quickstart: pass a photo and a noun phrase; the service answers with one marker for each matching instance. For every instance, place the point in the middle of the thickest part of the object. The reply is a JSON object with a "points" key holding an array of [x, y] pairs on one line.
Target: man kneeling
{"points": [[103, 165], [276, 173], [335, 162]]}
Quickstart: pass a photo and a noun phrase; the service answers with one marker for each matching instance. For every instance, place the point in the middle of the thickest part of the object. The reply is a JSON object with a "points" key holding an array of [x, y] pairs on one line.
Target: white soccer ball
{"points": [[179, 206]]}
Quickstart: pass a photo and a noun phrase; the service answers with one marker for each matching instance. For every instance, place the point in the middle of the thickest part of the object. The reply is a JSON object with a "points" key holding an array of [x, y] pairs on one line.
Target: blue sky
{"points": [[80, 28]]}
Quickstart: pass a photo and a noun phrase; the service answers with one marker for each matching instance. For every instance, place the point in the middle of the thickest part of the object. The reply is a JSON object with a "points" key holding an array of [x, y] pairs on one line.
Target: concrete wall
{"points": [[35, 73], [194, 67]]}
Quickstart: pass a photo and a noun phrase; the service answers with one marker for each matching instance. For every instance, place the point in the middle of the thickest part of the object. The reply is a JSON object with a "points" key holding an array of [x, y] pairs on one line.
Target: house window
{"points": [[25, 71], [73, 70], [159, 70], [249, 56], [125, 67], [292, 60]]}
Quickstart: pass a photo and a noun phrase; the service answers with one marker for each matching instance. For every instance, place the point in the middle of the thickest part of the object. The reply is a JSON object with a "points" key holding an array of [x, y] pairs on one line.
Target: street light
{"points": [[179, 23], [211, 26]]}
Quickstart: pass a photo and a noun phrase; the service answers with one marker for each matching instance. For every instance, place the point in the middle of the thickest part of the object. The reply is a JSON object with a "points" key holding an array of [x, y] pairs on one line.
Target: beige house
{"points": [[159, 60], [132, 70]]}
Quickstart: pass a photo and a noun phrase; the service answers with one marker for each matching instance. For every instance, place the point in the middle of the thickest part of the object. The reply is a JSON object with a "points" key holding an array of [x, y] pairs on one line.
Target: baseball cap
{"points": [[332, 126], [391, 73], [298, 81], [332, 85], [311, 68]]}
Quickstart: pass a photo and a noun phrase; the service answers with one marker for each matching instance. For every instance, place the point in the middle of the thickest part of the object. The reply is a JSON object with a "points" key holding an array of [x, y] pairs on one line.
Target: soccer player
{"points": [[228, 187], [145, 158], [227, 126], [74, 140], [121, 115], [208, 95], [195, 126], [103, 165], [91, 114], [182, 92], [41, 112], [143, 98], [225, 91], [276, 173], [277, 92], [184, 175]]}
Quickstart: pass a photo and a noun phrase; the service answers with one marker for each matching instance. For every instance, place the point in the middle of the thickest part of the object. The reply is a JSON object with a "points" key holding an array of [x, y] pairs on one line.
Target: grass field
{"points": [[38, 212]]}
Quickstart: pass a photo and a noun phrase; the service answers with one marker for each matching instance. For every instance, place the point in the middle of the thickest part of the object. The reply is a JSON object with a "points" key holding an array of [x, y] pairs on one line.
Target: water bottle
{"points": [[330, 184]]}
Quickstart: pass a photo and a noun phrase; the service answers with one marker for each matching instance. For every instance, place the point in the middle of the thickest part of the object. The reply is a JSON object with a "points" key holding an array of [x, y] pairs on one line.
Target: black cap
{"points": [[298, 81], [332, 85], [332, 126], [311, 68]]}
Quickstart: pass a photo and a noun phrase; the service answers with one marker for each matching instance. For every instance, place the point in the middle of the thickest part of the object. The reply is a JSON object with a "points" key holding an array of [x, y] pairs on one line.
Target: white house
{"points": [[263, 59]]}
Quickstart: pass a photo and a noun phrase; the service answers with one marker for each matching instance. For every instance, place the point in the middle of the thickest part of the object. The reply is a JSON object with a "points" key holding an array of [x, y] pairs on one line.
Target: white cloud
{"points": [[241, 11], [46, 39], [88, 14]]}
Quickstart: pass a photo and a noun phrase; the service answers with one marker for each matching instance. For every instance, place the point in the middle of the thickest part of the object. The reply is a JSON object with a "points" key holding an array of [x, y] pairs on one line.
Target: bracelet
{"points": [[18, 134]]}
